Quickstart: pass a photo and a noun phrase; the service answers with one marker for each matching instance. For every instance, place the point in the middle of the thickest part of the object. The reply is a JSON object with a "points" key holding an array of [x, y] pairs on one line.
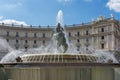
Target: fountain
{"points": [[59, 61]]}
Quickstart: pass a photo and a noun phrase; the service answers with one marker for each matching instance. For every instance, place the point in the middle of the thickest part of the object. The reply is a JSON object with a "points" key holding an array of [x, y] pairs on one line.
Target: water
{"points": [[59, 17], [10, 57], [103, 56], [4, 45]]}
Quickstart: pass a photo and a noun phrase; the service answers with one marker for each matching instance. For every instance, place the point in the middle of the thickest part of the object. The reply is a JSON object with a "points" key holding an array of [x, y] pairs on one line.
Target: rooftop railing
{"points": [[74, 25]]}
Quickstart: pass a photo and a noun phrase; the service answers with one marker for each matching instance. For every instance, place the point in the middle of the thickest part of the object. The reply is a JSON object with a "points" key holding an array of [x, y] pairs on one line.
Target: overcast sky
{"points": [[44, 12]]}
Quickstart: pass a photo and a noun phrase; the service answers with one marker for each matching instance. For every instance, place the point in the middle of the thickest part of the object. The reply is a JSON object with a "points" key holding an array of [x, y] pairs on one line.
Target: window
{"points": [[78, 48], [87, 39], [87, 32], [86, 47], [102, 29], [78, 34], [102, 46], [69, 34], [102, 37], [35, 35], [78, 40], [43, 41], [7, 40], [35, 41], [17, 41], [43, 35], [17, 34], [26, 34], [26, 41], [7, 33]]}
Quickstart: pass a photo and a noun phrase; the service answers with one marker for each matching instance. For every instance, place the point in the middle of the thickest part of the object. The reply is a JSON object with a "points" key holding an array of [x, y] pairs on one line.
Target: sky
{"points": [[44, 12]]}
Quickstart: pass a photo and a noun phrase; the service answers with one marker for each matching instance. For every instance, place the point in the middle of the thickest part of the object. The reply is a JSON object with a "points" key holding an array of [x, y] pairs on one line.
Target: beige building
{"points": [[101, 34]]}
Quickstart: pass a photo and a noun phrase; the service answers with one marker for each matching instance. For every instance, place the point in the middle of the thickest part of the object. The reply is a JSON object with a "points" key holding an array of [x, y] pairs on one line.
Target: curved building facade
{"points": [[102, 34]]}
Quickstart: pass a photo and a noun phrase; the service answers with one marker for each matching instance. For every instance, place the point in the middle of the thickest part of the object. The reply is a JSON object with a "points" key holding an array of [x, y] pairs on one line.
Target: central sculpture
{"points": [[60, 38]]}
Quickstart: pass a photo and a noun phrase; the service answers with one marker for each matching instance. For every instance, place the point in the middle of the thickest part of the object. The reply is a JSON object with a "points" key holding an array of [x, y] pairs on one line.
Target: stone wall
{"points": [[61, 73]]}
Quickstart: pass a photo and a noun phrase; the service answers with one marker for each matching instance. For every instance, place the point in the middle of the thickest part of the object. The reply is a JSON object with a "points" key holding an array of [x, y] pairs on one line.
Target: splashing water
{"points": [[10, 57], [4, 45]]}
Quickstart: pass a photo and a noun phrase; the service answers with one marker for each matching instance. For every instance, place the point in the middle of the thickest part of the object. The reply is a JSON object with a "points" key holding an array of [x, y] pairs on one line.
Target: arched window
{"points": [[17, 41], [102, 46], [7, 33], [35, 35], [26, 41], [35, 41], [17, 34], [102, 29], [43, 35]]}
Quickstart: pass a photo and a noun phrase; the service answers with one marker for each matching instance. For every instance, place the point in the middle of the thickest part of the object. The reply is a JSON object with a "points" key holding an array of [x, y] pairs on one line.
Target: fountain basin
{"points": [[58, 58], [61, 67], [62, 71]]}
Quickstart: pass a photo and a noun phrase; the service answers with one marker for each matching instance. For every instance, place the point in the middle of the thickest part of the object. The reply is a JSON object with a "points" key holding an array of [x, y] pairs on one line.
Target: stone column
{"points": [[97, 42], [97, 38], [108, 38], [107, 42], [113, 40], [92, 37], [112, 26]]}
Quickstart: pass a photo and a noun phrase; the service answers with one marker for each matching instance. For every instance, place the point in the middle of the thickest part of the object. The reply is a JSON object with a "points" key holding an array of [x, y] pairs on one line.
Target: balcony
{"points": [[102, 41], [35, 46], [87, 43], [78, 44], [17, 44]]}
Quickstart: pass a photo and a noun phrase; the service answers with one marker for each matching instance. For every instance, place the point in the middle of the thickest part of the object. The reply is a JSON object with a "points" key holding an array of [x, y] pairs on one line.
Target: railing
{"points": [[30, 26], [76, 25], [25, 26]]}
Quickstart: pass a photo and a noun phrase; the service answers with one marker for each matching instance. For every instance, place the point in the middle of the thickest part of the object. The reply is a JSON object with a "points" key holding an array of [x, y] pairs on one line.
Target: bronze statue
{"points": [[59, 28], [60, 37]]}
